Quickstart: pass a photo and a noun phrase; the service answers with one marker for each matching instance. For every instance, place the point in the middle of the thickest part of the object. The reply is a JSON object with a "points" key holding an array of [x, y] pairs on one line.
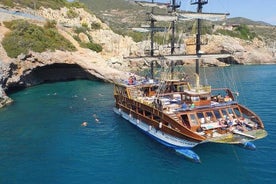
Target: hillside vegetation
{"points": [[25, 36], [90, 44], [241, 31], [36, 4]]}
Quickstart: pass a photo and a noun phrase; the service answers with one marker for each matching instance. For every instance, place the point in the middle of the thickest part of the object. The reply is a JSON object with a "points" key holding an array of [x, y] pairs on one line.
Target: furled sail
{"points": [[141, 30], [149, 29], [206, 16], [165, 18], [196, 56], [185, 57], [152, 4]]}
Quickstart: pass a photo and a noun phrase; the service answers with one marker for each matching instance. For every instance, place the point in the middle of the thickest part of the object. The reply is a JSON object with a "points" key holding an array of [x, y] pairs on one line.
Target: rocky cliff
{"points": [[35, 68], [108, 65]]}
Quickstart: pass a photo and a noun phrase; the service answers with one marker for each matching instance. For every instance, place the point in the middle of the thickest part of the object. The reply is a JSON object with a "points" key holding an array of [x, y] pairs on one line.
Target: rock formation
{"points": [[35, 68]]}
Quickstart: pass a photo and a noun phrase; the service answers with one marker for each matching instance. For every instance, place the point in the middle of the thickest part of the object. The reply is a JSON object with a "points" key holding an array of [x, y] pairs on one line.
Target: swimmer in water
{"points": [[84, 124], [96, 119]]}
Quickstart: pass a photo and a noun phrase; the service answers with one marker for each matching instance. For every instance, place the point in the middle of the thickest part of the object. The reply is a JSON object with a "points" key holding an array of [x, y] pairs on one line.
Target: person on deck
{"points": [[241, 125], [130, 80], [230, 123]]}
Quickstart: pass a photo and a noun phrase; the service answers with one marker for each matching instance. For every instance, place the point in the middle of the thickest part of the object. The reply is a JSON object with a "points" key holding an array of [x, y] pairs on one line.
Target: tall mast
{"points": [[174, 7], [151, 42], [200, 4], [173, 28]]}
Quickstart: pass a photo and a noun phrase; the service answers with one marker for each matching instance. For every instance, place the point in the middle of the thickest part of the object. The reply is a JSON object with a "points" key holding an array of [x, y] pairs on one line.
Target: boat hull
{"points": [[156, 134]]}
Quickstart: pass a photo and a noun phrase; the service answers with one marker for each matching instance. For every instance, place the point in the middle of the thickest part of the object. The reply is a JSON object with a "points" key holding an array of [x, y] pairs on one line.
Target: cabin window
{"points": [[204, 98], [145, 91], [154, 88], [188, 98], [224, 112], [185, 120], [140, 111], [237, 112], [133, 107], [193, 120], [209, 116], [180, 88], [195, 98], [201, 118], [173, 88], [217, 114], [148, 114], [231, 112], [156, 118]]}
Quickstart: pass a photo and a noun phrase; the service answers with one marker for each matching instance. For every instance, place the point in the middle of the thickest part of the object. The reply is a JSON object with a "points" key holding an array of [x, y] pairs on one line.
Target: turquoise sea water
{"points": [[42, 140]]}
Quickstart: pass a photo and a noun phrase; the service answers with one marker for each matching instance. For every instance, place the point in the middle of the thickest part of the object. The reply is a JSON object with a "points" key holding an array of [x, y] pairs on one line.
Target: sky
{"points": [[257, 10]]}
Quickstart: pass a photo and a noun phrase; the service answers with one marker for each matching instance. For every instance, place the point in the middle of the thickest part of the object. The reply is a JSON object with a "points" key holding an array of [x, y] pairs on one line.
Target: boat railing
{"points": [[227, 91]]}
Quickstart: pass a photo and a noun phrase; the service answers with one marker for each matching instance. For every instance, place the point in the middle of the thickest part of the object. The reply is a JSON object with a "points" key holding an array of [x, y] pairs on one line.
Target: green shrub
{"points": [[25, 37], [50, 24], [242, 32], [92, 46], [81, 29], [96, 25], [71, 13], [8, 3], [77, 38], [136, 36], [76, 4]]}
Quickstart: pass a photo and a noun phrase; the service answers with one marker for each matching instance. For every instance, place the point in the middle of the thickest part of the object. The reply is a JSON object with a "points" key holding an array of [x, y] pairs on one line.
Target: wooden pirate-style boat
{"points": [[181, 115]]}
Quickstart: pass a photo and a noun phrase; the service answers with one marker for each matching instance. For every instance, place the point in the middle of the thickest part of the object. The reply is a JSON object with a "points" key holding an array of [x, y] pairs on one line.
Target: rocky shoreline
{"points": [[109, 65], [4, 99]]}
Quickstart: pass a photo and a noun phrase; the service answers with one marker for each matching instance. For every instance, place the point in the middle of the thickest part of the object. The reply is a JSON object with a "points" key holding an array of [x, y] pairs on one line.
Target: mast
{"points": [[173, 28], [174, 7], [152, 20], [151, 42], [200, 4]]}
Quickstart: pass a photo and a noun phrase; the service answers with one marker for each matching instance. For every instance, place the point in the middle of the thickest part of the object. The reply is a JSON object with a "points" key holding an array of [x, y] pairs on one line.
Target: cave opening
{"points": [[51, 73]]}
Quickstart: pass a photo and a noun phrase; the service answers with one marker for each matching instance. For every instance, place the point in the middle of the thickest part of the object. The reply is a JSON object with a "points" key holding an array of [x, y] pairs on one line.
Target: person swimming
{"points": [[84, 124]]}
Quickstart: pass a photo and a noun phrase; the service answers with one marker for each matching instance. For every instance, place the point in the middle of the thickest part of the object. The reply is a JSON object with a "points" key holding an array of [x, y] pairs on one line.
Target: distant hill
{"points": [[118, 14], [103, 5], [35, 4], [241, 20]]}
